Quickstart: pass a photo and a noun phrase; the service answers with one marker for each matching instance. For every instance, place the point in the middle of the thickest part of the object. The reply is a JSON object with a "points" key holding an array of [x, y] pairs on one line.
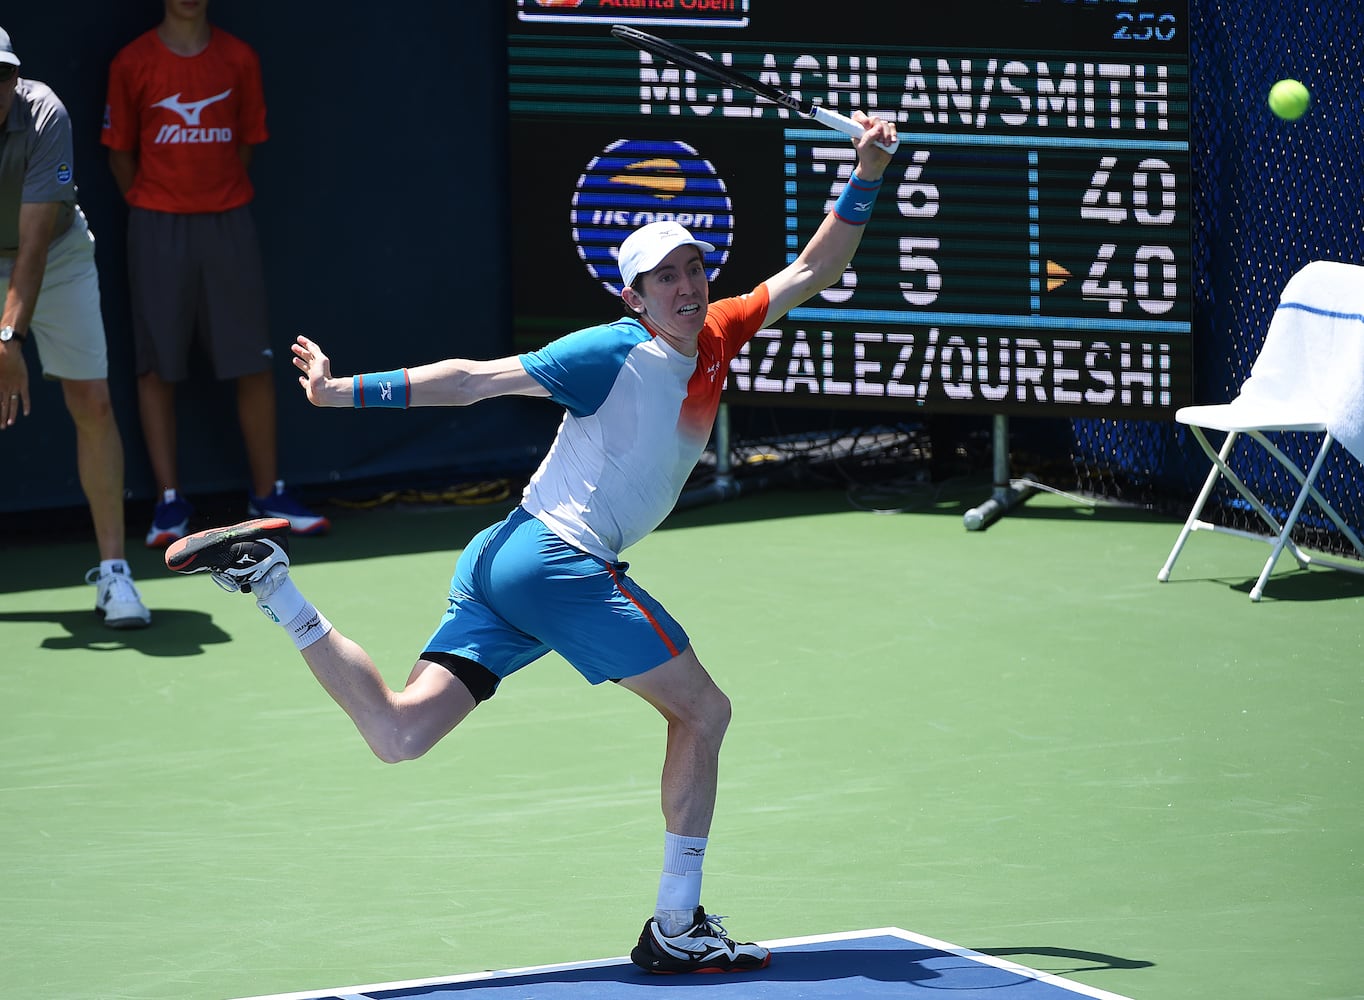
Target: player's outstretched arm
{"points": [[455, 382], [829, 251]]}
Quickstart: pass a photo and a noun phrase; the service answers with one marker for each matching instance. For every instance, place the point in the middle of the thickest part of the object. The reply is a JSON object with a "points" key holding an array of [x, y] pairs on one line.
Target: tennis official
{"points": [[50, 289], [640, 395]]}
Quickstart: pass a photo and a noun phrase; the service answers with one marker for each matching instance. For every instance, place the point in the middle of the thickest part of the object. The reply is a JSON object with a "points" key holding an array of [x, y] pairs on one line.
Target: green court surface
{"points": [[1015, 740]]}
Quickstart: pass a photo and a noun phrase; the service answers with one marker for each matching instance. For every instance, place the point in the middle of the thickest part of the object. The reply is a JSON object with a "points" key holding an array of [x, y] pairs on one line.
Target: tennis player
{"points": [[640, 396]]}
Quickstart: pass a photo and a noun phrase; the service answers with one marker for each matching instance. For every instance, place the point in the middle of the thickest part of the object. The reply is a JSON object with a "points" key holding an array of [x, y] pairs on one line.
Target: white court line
{"points": [[361, 992], [975, 956]]}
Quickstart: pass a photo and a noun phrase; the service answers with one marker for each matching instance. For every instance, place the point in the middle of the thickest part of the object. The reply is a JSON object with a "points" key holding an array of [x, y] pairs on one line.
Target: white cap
{"points": [[7, 49], [645, 248]]}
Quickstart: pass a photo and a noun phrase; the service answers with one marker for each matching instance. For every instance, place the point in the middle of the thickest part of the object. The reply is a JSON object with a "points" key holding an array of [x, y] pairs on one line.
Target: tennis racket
{"points": [[708, 67]]}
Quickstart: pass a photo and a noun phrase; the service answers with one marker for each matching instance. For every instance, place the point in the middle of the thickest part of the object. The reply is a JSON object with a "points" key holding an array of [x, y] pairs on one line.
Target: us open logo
{"points": [[636, 181]]}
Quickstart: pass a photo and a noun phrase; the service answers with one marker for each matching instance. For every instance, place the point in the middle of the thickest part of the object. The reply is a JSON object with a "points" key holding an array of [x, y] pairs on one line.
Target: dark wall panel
{"points": [[380, 206]]}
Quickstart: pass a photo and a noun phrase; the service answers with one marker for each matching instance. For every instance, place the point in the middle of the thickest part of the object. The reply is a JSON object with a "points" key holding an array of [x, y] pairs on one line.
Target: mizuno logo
{"points": [[191, 130], [863, 206], [190, 111], [169, 134], [693, 851], [311, 623], [703, 951], [386, 391], [247, 559]]}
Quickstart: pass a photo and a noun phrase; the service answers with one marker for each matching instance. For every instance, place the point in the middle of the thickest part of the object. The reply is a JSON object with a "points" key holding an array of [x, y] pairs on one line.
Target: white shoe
{"points": [[117, 600]]}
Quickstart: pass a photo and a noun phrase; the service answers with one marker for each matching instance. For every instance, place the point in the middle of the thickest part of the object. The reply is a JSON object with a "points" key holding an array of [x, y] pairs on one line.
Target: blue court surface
{"points": [[874, 964]]}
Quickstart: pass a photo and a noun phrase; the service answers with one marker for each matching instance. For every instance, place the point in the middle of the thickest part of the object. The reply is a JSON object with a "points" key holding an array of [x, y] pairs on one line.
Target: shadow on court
{"points": [[1306, 585], [1074, 961], [175, 633], [1293, 586], [871, 965], [799, 969]]}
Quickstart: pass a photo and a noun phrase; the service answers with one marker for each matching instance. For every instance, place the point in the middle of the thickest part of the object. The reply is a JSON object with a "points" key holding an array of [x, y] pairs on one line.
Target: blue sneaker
{"points": [[281, 503], [170, 523]]}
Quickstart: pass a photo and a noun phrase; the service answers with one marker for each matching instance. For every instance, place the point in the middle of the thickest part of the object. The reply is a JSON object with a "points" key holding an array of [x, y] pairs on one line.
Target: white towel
{"points": [[1313, 358]]}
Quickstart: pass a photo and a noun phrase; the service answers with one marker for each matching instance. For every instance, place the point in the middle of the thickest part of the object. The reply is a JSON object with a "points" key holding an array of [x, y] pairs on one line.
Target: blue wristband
{"points": [[380, 389], [855, 203]]}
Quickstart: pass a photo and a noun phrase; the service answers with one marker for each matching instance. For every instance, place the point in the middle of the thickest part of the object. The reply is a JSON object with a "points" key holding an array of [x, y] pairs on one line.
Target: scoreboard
{"points": [[1030, 251]]}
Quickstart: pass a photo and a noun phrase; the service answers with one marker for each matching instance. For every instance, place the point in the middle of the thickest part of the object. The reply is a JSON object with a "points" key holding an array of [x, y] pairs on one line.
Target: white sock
{"points": [[679, 887], [278, 598], [107, 566], [307, 627], [284, 605]]}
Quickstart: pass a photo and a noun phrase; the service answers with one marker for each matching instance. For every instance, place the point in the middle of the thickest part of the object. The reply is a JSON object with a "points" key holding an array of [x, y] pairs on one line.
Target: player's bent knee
{"points": [[708, 717], [720, 712], [686, 696], [387, 754], [402, 746], [440, 693], [399, 743]]}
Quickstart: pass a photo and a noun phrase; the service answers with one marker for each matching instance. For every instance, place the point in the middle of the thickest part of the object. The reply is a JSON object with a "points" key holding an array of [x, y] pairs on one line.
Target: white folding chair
{"points": [[1308, 377]]}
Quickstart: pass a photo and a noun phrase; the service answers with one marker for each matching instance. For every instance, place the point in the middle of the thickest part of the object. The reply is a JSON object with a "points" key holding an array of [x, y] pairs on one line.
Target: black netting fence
{"points": [[1269, 196]]}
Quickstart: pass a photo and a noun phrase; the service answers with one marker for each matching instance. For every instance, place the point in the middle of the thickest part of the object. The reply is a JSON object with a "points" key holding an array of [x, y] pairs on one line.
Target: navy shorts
{"points": [[197, 278], [519, 591]]}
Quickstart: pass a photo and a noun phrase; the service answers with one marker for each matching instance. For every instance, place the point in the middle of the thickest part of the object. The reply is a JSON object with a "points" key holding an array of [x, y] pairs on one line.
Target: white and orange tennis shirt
{"points": [[639, 414]]}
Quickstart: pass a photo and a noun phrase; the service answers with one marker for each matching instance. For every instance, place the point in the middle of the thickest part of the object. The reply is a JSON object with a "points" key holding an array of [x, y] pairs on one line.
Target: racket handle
{"points": [[844, 124]]}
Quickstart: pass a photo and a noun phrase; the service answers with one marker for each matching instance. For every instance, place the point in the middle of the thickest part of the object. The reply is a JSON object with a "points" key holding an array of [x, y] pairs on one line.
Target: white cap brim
{"points": [[647, 262], [645, 248]]}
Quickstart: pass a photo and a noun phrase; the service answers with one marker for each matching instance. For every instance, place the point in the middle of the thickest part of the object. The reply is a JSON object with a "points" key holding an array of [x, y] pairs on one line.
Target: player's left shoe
{"points": [[239, 557], [704, 947], [282, 503]]}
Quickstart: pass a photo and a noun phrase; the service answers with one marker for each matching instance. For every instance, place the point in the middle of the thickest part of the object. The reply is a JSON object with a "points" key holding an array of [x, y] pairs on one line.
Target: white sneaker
{"points": [[117, 600]]}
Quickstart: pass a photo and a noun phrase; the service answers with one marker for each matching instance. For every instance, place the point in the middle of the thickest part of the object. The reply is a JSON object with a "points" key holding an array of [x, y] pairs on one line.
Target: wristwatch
{"points": [[8, 333]]}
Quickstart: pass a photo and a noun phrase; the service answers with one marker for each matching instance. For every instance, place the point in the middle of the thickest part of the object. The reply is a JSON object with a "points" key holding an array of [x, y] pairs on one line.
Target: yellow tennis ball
{"points": [[1289, 99]]}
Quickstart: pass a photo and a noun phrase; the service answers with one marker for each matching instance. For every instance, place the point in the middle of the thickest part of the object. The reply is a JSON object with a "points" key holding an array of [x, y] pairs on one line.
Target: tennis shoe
{"points": [[704, 947], [241, 557], [170, 522], [282, 503], [117, 600]]}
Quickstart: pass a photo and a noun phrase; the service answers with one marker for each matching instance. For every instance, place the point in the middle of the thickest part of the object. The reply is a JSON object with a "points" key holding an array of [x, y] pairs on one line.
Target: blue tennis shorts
{"points": [[519, 591]]}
